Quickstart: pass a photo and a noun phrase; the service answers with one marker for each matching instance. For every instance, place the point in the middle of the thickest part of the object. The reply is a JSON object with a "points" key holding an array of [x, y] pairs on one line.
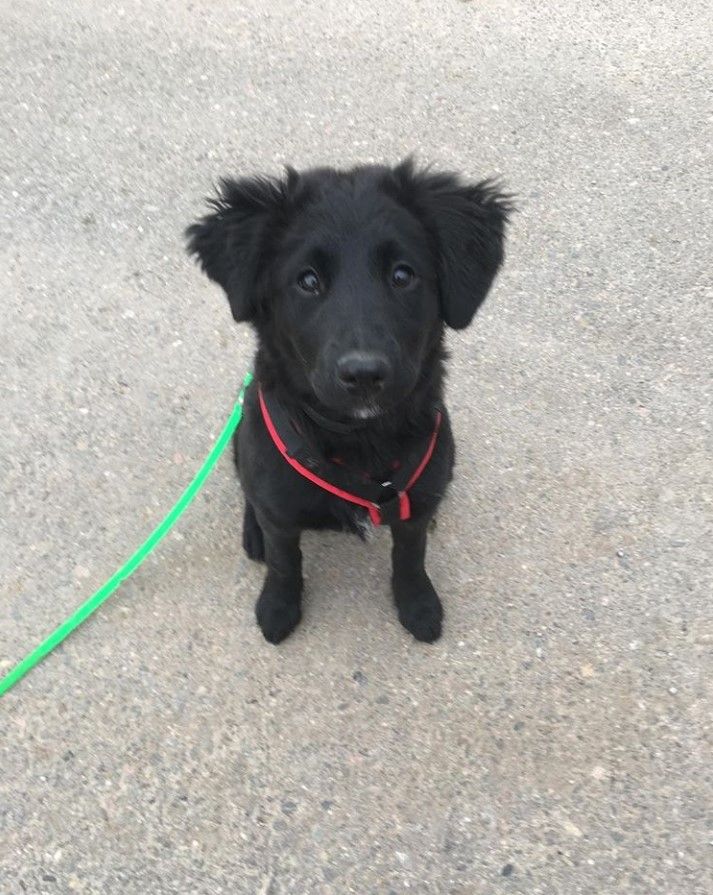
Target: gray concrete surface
{"points": [[557, 740]]}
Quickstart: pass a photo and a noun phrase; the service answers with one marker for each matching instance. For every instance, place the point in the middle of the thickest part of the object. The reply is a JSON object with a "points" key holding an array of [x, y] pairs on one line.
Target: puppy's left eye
{"points": [[308, 281], [402, 276]]}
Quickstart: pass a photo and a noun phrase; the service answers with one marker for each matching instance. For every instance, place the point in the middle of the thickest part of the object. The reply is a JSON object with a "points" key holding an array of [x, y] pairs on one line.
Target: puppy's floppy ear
{"points": [[467, 224], [230, 242]]}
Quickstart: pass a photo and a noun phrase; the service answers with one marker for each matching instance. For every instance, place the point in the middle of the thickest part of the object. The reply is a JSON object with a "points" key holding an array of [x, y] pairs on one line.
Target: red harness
{"points": [[386, 502]]}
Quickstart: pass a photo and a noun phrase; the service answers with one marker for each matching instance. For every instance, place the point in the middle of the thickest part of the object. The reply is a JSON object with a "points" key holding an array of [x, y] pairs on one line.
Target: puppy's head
{"points": [[349, 277]]}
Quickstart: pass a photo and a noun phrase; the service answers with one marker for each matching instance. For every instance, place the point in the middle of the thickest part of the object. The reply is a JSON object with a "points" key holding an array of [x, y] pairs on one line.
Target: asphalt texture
{"points": [[556, 741]]}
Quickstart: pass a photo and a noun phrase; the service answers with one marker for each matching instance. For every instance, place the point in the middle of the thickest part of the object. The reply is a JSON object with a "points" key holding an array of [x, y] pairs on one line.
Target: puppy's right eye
{"points": [[402, 276], [308, 281]]}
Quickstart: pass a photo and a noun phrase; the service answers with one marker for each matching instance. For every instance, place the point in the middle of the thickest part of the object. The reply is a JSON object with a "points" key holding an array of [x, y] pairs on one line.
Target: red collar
{"points": [[386, 502]]}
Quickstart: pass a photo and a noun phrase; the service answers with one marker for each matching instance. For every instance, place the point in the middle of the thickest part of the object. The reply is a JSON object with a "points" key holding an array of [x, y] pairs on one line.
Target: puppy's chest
{"points": [[350, 518], [368, 466], [365, 479], [353, 473]]}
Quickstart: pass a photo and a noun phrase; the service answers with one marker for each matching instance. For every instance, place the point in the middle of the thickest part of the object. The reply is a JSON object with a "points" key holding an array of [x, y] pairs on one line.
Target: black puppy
{"points": [[348, 279]]}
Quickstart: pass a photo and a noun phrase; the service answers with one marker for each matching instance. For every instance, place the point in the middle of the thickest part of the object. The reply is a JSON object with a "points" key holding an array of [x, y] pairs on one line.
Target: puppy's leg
{"points": [[420, 610], [253, 541], [278, 607]]}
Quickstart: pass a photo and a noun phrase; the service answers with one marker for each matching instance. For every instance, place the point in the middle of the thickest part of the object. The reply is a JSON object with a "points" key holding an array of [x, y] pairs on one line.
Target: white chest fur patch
{"points": [[366, 528]]}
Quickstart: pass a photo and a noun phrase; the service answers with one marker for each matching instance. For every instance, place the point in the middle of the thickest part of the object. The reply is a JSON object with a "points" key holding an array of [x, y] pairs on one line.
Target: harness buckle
{"points": [[394, 509]]}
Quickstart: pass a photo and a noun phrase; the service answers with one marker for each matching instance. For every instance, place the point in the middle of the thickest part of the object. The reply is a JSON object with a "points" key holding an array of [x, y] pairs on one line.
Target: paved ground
{"points": [[557, 740]]}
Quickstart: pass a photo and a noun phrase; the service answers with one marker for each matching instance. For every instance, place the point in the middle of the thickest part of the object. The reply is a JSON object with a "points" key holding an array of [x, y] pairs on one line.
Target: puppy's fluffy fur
{"points": [[349, 279]]}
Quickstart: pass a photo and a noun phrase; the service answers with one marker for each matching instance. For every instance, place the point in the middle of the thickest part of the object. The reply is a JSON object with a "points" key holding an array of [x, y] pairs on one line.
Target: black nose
{"points": [[360, 371]]}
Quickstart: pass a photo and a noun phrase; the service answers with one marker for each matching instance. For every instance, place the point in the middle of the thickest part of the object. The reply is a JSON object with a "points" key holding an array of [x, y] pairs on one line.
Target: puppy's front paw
{"points": [[278, 611], [420, 610]]}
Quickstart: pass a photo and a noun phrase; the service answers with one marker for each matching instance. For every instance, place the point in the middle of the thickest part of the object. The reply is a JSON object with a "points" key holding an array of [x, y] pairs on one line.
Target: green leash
{"points": [[130, 566]]}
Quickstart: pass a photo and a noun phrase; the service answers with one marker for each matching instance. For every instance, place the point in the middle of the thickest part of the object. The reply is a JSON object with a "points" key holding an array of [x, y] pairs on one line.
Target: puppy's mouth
{"points": [[337, 406]]}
